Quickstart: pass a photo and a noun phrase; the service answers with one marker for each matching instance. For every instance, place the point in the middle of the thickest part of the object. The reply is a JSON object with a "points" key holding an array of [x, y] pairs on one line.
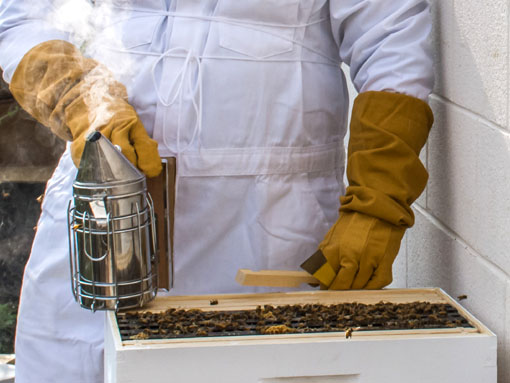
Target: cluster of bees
{"points": [[289, 319]]}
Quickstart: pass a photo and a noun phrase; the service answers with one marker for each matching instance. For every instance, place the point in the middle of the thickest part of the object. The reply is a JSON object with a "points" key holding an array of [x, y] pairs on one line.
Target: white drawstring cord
{"points": [[177, 89], [225, 20], [248, 24], [178, 85]]}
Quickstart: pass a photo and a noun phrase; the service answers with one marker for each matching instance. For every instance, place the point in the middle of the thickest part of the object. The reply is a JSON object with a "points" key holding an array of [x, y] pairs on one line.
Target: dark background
{"points": [[28, 155]]}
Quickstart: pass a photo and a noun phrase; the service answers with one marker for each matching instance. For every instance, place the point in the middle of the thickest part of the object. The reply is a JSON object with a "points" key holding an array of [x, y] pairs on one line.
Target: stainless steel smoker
{"points": [[112, 231]]}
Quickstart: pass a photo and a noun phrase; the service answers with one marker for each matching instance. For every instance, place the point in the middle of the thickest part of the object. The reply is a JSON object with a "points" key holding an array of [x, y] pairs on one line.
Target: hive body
{"points": [[426, 355]]}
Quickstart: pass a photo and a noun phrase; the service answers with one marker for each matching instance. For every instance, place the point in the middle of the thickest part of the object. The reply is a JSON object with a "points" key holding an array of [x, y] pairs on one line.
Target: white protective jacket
{"points": [[250, 97]]}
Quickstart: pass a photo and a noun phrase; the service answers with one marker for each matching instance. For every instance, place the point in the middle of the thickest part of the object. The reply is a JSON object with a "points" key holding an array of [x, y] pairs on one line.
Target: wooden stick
{"points": [[274, 278]]}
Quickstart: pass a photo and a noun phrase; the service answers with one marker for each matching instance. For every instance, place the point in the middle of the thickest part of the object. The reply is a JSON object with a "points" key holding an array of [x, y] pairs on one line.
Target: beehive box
{"points": [[456, 354]]}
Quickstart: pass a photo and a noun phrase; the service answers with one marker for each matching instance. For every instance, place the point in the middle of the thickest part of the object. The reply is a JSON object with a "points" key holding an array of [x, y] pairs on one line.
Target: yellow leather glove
{"points": [[72, 94], [385, 177]]}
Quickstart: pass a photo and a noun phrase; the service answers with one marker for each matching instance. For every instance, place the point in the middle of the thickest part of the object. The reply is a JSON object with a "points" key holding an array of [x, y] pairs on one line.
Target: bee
{"points": [[279, 329], [461, 297], [213, 302], [140, 336], [349, 331], [143, 320], [269, 316], [202, 332]]}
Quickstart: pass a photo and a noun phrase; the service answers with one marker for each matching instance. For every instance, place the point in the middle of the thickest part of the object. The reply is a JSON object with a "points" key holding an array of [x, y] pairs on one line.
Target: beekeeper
{"points": [[250, 97]]}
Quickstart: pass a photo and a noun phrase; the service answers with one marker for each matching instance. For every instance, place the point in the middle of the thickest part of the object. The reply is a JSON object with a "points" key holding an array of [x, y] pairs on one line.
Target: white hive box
{"points": [[453, 355]]}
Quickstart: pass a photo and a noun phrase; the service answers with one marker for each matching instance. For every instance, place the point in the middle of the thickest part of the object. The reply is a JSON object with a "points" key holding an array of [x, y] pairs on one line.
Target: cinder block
{"points": [[470, 45], [436, 258], [469, 189], [429, 256]]}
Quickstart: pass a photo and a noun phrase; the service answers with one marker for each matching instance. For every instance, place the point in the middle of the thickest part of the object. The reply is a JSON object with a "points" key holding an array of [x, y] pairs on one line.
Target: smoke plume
{"points": [[92, 28]]}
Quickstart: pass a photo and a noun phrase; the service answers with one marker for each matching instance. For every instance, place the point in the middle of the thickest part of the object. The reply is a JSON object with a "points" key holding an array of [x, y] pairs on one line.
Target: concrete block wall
{"points": [[461, 239]]}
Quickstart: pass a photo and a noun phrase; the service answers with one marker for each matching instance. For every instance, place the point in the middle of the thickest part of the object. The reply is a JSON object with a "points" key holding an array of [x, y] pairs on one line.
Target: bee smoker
{"points": [[112, 231]]}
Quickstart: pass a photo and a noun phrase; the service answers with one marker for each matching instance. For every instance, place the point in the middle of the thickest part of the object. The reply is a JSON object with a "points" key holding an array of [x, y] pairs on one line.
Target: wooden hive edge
{"points": [[309, 337], [473, 321], [250, 301]]}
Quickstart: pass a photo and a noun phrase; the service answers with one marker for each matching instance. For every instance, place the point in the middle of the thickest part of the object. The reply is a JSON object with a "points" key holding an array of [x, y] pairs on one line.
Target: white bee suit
{"points": [[250, 97]]}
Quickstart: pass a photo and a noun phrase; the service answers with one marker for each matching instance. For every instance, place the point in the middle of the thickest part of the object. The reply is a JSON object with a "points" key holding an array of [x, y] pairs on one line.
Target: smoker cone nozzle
{"points": [[103, 163], [94, 136]]}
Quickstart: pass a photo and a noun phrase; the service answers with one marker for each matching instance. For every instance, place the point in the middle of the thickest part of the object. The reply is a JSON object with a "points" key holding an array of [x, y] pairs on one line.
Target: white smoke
{"points": [[92, 28], [74, 17]]}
